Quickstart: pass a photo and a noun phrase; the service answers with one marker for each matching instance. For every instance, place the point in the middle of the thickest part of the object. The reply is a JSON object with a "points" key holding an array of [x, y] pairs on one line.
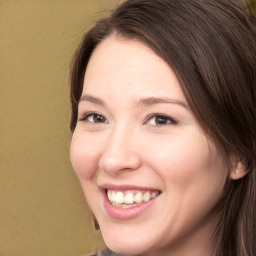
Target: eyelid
{"points": [[86, 115], [172, 119]]}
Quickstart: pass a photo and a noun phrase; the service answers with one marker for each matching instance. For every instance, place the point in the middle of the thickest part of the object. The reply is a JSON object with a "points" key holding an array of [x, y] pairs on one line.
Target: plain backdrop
{"points": [[42, 206]]}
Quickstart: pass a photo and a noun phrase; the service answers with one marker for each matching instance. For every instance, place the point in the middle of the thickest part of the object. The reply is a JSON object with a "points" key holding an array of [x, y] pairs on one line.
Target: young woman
{"points": [[164, 133]]}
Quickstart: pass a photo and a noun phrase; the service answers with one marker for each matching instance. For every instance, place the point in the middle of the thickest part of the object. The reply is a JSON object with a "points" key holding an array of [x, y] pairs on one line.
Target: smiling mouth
{"points": [[130, 198]]}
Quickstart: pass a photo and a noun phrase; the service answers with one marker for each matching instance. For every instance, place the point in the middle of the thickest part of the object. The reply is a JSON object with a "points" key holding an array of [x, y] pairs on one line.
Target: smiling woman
{"points": [[163, 122]]}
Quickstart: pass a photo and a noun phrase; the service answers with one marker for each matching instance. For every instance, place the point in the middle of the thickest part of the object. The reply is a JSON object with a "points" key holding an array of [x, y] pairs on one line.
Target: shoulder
{"points": [[94, 254], [106, 252], [101, 253]]}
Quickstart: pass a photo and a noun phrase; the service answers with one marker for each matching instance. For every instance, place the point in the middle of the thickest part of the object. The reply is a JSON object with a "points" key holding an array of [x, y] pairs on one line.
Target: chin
{"points": [[126, 244], [126, 250]]}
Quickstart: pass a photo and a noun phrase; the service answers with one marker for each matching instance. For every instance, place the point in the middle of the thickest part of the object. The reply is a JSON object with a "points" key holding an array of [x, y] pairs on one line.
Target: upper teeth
{"points": [[130, 197]]}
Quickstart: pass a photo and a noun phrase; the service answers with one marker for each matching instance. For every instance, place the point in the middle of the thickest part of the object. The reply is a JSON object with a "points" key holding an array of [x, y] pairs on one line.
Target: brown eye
{"points": [[159, 120], [98, 118], [94, 118]]}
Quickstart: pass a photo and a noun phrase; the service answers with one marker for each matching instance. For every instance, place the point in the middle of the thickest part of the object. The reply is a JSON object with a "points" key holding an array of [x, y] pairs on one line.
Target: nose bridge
{"points": [[120, 151]]}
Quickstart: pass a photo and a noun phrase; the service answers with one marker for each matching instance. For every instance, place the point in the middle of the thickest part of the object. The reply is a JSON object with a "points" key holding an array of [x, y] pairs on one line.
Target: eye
{"points": [[94, 118], [160, 120]]}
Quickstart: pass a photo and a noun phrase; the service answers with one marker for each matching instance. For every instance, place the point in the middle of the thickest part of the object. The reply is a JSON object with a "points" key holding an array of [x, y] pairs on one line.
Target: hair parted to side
{"points": [[211, 46]]}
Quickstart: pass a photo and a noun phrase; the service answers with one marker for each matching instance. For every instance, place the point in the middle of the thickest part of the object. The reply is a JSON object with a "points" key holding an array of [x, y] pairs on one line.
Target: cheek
{"points": [[180, 156], [84, 157], [186, 161]]}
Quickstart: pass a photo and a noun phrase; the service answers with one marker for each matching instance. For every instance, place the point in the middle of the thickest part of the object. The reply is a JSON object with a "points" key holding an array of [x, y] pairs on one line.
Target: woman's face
{"points": [[137, 140]]}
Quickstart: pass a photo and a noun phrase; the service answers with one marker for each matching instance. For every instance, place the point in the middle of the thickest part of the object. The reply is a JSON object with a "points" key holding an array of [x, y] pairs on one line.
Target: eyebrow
{"points": [[92, 99], [142, 102], [155, 100]]}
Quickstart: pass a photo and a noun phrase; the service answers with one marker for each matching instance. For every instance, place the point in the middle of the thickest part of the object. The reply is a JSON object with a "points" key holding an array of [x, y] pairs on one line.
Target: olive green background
{"points": [[42, 207]]}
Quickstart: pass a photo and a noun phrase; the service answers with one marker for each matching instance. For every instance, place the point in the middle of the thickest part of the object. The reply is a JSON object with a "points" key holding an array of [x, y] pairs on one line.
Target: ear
{"points": [[238, 171]]}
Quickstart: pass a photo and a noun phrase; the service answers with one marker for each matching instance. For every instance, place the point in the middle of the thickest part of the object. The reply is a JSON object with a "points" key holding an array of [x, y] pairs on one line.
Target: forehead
{"points": [[129, 67]]}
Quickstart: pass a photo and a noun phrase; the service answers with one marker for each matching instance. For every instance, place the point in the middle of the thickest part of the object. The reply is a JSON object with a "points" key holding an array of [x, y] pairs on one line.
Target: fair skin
{"points": [[136, 133]]}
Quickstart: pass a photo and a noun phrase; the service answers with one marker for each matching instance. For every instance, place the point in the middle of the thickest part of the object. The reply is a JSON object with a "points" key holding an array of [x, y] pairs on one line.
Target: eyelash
{"points": [[92, 114], [170, 120], [166, 119]]}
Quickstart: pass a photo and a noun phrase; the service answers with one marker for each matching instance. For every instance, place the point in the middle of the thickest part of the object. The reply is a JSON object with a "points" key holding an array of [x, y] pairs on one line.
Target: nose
{"points": [[120, 153]]}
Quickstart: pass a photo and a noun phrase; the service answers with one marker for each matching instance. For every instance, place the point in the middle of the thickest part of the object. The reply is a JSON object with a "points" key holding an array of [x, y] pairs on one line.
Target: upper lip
{"points": [[123, 187]]}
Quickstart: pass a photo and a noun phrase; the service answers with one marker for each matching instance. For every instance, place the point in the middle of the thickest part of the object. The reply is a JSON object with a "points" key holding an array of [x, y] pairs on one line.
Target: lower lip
{"points": [[128, 213]]}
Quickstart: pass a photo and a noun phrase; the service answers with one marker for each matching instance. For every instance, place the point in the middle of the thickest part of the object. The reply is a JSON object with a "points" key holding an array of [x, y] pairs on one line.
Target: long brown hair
{"points": [[211, 46]]}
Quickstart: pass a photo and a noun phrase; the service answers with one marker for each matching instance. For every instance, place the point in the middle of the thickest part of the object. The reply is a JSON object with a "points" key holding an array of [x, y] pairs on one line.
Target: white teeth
{"points": [[129, 199], [138, 198], [119, 198], [154, 194], [125, 206], [146, 197], [109, 194]]}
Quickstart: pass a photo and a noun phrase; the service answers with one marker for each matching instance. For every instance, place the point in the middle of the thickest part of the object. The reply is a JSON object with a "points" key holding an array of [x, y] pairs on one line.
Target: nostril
{"points": [[113, 164]]}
